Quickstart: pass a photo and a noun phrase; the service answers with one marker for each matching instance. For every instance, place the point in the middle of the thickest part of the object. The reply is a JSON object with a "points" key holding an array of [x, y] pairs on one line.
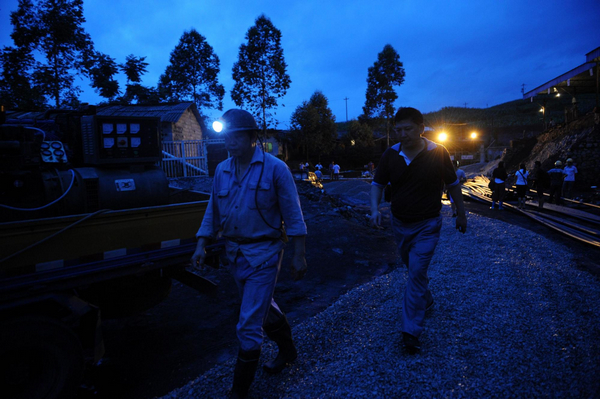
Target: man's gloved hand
{"points": [[461, 223], [298, 268], [197, 260]]}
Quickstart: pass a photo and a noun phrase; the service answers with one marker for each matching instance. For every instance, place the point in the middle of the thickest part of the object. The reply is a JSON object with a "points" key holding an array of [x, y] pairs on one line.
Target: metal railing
{"points": [[186, 158]]}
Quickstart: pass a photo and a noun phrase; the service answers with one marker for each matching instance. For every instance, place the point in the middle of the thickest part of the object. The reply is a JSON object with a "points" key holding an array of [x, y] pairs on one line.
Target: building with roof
{"points": [[583, 79], [179, 122]]}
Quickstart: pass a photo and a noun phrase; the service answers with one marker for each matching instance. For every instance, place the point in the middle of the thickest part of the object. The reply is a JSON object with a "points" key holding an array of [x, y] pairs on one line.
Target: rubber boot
{"points": [[500, 205], [245, 368], [281, 333], [493, 205]]}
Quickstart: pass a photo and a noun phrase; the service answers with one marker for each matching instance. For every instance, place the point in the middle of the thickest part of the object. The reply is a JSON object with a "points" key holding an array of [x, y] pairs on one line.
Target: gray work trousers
{"points": [[256, 286], [416, 244]]}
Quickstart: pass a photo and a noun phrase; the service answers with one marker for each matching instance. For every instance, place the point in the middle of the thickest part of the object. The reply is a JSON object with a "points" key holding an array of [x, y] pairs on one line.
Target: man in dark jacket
{"points": [[556, 181], [540, 182]]}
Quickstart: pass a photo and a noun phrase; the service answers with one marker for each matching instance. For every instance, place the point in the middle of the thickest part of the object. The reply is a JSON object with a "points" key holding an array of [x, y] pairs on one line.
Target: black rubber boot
{"points": [[245, 368], [281, 333]]}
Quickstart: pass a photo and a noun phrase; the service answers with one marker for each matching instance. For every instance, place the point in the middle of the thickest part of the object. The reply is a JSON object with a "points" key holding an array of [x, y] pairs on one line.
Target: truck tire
{"points": [[39, 358]]}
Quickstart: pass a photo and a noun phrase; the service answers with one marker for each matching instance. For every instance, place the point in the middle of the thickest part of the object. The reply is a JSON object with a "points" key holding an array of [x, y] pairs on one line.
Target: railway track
{"points": [[578, 220]]}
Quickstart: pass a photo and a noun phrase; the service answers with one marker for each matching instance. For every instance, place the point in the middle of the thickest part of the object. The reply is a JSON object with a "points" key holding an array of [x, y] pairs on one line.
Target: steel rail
{"points": [[478, 190]]}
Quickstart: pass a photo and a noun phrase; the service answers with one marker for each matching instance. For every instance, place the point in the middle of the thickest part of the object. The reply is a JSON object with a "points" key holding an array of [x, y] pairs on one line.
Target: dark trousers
{"points": [[555, 191]]}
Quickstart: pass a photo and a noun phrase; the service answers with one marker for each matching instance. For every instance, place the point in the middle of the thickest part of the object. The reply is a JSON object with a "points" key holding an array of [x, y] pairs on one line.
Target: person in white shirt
{"points": [[521, 175], [569, 181], [336, 172]]}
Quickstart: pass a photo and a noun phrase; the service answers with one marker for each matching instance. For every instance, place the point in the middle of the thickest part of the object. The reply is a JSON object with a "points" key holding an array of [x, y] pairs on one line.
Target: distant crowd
{"points": [[558, 182], [333, 170]]}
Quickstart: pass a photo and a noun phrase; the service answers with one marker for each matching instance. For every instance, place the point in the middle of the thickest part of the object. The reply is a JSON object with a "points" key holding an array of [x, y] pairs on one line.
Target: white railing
{"points": [[185, 158]]}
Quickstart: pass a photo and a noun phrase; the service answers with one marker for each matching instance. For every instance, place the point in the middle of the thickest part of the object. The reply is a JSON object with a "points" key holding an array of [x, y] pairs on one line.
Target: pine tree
{"points": [[192, 73], [260, 72], [385, 73]]}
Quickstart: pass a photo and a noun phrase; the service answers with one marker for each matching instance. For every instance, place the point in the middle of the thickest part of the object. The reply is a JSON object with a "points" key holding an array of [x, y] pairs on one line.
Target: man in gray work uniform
{"points": [[253, 197], [417, 169]]}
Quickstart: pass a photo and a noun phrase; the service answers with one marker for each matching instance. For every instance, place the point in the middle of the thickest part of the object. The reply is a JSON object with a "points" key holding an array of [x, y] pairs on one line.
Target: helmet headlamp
{"points": [[218, 126]]}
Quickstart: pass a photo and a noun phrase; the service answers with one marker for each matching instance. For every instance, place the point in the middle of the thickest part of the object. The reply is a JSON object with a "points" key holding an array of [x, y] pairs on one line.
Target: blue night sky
{"points": [[454, 52]]}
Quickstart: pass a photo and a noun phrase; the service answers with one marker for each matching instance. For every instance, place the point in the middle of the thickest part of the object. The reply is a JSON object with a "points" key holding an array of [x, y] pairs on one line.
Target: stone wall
{"points": [[187, 127]]}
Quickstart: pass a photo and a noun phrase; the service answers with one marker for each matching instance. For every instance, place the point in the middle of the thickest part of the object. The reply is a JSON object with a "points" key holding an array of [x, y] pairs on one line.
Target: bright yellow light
{"points": [[473, 135], [542, 109], [443, 136], [557, 94]]}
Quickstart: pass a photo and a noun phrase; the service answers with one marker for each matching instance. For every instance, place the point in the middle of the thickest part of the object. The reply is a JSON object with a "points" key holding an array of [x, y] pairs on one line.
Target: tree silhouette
{"points": [[260, 72], [385, 73], [313, 125], [192, 73], [55, 29]]}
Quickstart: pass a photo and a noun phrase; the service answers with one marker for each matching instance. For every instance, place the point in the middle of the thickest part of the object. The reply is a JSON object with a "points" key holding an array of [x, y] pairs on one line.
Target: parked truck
{"points": [[89, 230]]}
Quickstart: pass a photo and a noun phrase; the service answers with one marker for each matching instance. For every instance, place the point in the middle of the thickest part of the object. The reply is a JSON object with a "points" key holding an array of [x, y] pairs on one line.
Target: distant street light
{"points": [[473, 135], [443, 136]]}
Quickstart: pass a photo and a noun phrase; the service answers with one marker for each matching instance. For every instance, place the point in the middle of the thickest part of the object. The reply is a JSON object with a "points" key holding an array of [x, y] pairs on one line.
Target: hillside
{"points": [[509, 118]]}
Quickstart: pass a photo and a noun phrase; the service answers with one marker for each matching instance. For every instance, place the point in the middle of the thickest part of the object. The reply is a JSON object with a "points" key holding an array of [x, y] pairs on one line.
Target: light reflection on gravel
{"points": [[513, 317]]}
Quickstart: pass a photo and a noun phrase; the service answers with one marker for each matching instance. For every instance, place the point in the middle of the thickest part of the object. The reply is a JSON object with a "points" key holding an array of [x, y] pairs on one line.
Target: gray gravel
{"points": [[513, 318]]}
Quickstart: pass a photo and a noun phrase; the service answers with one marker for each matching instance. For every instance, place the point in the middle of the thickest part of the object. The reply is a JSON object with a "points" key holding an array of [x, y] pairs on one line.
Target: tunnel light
{"points": [[443, 136], [473, 135]]}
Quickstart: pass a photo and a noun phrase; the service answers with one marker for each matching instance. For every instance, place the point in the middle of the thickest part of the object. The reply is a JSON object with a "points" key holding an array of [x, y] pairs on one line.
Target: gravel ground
{"points": [[513, 317]]}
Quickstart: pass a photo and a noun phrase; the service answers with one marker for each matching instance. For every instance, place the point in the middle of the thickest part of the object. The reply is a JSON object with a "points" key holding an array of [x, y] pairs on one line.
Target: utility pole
{"points": [[346, 99], [523, 89]]}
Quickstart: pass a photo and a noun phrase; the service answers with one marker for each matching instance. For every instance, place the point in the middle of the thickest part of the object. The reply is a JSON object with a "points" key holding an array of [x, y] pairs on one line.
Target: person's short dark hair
{"points": [[522, 166], [501, 164], [409, 113]]}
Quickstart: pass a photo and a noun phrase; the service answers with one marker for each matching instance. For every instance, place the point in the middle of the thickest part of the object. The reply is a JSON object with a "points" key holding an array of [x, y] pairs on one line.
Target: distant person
{"points": [[336, 172], [318, 166], [462, 178], [331, 167], [521, 175], [319, 174], [371, 167], [569, 171], [417, 170], [540, 181], [499, 175], [556, 182]]}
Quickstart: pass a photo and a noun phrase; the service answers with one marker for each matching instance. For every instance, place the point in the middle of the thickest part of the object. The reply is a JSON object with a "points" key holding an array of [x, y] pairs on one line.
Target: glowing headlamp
{"points": [[218, 126]]}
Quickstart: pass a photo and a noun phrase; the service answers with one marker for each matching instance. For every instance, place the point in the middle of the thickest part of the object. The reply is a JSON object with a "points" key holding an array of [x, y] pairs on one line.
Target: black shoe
{"points": [[411, 343]]}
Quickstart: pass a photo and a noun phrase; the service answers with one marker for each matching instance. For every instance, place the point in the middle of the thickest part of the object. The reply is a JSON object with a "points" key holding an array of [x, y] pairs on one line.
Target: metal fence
{"points": [[186, 158]]}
